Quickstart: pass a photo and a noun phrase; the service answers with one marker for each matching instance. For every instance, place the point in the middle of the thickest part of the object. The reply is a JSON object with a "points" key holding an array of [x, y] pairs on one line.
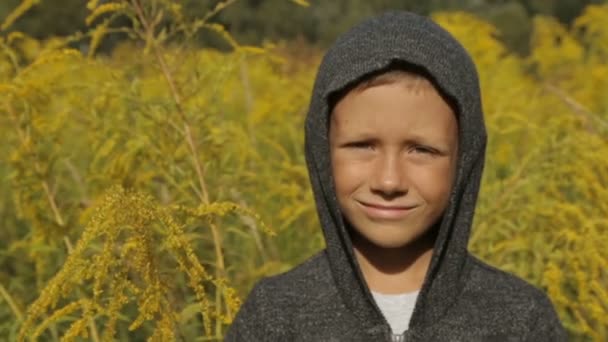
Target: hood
{"points": [[373, 45]]}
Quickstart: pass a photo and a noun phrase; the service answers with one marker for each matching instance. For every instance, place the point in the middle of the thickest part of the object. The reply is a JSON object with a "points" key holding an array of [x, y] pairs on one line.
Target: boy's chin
{"points": [[393, 237], [384, 239], [394, 242]]}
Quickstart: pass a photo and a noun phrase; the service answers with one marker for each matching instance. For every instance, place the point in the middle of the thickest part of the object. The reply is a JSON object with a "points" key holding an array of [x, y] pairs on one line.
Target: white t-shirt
{"points": [[397, 309]]}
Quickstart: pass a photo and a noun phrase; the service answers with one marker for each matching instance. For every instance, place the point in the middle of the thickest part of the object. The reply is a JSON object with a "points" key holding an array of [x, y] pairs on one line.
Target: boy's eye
{"points": [[424, 150], [360, 145]]}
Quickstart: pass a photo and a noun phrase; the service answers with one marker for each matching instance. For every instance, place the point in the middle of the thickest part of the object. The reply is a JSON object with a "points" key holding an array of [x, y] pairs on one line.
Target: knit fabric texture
{"points": [[462, 298]]}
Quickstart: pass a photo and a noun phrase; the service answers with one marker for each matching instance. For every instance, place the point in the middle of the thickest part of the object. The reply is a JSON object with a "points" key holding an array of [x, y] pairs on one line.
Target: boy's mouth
{"points": [[384, 211]]}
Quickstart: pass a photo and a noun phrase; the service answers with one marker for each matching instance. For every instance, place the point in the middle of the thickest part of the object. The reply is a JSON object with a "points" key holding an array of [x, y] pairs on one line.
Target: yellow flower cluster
{"points": [[128, 227]]}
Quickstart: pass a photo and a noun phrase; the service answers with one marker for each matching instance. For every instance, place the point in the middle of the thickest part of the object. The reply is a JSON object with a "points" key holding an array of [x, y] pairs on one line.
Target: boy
{"points": [[395, 144]]}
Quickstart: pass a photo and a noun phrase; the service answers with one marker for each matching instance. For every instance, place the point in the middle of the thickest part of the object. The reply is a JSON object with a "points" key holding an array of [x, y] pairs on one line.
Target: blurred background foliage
{"points": [[256, 21], [152, 163]]}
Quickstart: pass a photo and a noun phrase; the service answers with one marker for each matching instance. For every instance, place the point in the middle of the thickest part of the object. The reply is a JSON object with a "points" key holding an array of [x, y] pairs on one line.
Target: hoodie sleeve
{"points": [[546, 326]]}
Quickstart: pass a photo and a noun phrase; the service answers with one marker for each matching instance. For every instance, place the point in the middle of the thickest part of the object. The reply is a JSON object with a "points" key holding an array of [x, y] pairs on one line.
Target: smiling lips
{"points": [[390, 212]]}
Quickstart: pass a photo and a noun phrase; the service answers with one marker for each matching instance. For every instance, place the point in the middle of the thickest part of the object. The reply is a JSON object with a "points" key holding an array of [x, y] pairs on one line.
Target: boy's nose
{"points": [[388, 179]]}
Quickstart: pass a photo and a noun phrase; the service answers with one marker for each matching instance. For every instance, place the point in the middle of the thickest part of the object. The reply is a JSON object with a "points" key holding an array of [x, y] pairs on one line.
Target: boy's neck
{"points": [[394, 270]]}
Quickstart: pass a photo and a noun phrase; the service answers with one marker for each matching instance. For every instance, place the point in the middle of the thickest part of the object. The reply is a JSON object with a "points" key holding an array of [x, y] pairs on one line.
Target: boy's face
{"points": [[393, 155]]}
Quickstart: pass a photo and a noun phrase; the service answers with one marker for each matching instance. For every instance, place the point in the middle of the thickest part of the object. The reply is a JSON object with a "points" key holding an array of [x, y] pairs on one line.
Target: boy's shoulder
{"points": [[496, 284], [296, 289], [495, 301], [306, 282], [313, 269], [281, 305]]}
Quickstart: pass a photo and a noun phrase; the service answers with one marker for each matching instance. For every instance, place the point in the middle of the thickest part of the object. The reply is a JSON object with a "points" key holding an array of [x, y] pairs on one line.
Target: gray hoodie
{"points": [[462, 298]]}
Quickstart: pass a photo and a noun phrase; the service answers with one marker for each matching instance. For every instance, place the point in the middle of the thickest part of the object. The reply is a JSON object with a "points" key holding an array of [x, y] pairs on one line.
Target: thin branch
{"points": [[11, 303], [576, 106], [176, 98], [51, 199], [249, 222], [204, 195], [78, 179], [218, 8]]}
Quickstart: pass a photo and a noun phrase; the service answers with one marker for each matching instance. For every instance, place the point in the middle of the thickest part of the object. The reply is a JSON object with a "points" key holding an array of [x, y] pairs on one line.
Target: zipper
{"points": [[398, 338]]}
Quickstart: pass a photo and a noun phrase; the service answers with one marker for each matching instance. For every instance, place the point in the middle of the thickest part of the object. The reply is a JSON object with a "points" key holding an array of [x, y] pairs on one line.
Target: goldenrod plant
{"points": [[543, 212], [144, 191]]}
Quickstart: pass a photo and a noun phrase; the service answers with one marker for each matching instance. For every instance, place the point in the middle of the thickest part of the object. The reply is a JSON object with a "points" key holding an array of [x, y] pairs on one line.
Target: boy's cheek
{"points": [[347, 181], [346, 168]]}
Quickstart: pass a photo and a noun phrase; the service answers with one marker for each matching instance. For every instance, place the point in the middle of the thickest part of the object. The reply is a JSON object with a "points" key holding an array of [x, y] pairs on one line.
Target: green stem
{"points": [[149, 28], [7, 297]]}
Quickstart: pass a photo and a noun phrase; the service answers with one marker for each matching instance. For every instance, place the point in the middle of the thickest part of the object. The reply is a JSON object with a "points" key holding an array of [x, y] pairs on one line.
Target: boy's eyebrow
{"points": [[366, 132], [414, 139]]}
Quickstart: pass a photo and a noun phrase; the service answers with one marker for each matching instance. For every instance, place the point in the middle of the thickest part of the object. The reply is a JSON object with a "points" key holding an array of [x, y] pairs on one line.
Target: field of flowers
{"points": [[145, 191]]}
